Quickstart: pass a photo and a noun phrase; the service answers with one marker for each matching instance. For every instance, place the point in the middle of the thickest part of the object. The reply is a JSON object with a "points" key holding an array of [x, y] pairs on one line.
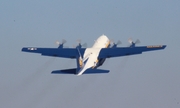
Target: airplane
{"points": [[89, 59]]}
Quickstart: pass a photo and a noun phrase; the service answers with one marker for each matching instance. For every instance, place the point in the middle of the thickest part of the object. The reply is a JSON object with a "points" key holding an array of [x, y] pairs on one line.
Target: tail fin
{"points": [[79, 60], [80, 63]]}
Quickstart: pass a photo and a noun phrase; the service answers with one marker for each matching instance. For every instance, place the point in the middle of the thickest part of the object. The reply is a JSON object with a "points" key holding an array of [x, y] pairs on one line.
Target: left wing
{"points": [[56, 52], [124, 51]]}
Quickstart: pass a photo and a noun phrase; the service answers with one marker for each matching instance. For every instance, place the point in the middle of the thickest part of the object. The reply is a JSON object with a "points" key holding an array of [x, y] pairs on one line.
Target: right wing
{"points": [[125, 51]]}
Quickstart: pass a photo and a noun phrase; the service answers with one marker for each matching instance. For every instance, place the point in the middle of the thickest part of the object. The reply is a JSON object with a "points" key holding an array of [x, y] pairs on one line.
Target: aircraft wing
{"points": [[125, 51], [55, 52]]}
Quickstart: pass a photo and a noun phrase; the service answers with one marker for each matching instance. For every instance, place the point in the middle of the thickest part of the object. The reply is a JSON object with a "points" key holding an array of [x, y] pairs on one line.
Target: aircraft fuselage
{"points": [[91, 54]]}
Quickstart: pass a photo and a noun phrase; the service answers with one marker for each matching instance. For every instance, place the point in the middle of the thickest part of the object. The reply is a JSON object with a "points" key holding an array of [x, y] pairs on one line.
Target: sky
{"points": [[149, 80]]}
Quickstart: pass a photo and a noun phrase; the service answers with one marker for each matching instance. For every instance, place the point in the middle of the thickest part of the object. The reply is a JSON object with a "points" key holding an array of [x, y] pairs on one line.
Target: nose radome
{"points": [[104, 37]]}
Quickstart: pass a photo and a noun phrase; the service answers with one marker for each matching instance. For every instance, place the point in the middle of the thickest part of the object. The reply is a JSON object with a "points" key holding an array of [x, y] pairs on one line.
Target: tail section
{"points": [[79, 61]]}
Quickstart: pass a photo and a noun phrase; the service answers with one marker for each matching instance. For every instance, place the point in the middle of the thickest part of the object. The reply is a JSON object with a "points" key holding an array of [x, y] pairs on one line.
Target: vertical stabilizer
{"points": [[79, 60]]}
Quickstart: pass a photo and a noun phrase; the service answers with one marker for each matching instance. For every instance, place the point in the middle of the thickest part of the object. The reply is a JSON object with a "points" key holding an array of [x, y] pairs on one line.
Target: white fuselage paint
{"points": [[92, 53]]}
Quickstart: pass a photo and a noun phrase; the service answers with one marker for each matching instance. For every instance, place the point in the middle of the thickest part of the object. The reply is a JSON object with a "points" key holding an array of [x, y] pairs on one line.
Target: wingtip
{"points": [[23, 49], [164, 46]]}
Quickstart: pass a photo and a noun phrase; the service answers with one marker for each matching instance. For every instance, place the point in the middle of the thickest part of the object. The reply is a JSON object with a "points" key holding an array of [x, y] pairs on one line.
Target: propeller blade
{"points": [[111, 41], [114, 45], [130, 41], [79, 41], [64, 41], [57, 42], [137, 41], [133, 44], [118, 42], [84, 45], [80, 45]]}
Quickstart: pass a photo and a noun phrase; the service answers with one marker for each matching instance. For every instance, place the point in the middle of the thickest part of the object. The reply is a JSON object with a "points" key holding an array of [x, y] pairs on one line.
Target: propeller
{"points": [[132, 44], [115, 44], [61, 44], [81, 45]]}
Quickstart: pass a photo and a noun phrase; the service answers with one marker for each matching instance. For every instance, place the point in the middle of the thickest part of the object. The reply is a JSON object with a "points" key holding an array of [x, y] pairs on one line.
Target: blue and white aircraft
{"points": [[89, 59]]}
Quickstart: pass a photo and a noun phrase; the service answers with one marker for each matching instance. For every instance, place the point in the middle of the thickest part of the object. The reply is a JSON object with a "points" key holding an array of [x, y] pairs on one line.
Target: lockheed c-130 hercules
{"points": [[89, 59]]}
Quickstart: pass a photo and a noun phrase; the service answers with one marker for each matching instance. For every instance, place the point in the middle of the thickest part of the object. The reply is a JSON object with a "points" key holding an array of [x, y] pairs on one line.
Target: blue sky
{"points": [[150, 80]]}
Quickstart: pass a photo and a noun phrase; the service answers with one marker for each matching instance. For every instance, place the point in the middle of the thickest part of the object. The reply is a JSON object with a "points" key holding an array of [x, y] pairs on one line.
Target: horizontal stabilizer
{"points": [[95, 71], [73, 71], [66, 71]]}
